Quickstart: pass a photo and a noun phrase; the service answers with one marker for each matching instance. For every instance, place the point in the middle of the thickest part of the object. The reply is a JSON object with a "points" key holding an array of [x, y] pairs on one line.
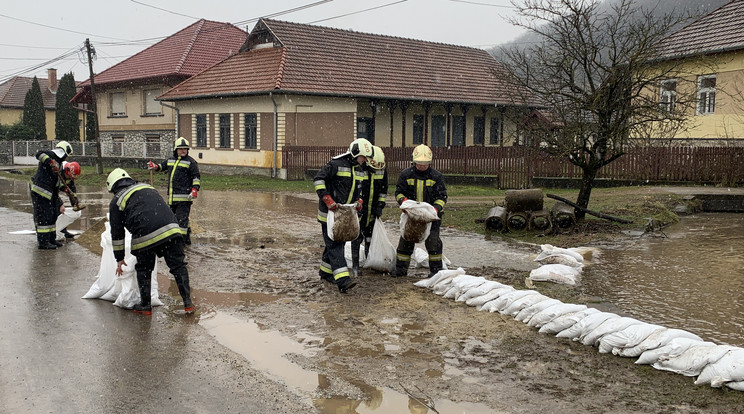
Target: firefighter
{"points": [[421, 183], [139, 208], [70, 172], [340, 182], [374, 191], [183, 183], [45, 194]]}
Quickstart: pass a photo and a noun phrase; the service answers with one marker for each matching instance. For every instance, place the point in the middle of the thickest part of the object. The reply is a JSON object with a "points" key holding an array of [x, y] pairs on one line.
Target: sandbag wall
{"points": [[667, 349]]}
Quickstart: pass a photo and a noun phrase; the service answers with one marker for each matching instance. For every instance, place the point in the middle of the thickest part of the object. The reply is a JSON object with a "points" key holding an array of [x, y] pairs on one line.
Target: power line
{"points": [[165, 10], [56, 28], [477, 3], [306, 6], [360, 11]]}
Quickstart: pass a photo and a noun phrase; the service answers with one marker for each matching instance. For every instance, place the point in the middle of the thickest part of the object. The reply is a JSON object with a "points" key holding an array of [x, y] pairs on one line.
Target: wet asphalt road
{"points": [[63, 354]]}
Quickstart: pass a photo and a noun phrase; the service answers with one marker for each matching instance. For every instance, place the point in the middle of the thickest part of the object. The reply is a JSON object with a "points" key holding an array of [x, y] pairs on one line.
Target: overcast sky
{"points": [[35, 33]]}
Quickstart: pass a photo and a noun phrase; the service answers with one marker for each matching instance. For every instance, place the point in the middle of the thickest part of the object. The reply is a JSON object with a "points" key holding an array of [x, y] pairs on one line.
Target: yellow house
{"points": [[713, 48]]}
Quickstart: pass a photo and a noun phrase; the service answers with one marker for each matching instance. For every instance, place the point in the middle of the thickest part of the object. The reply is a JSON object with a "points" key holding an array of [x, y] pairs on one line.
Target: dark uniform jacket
{"points": [[342, 179], [183, 175], [139, 208], [427, 186], [46, 182], [375, 194]]}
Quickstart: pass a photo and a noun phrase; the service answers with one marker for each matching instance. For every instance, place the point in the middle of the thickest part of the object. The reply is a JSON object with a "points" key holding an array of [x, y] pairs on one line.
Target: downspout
{"points": [[178, 116], [276, 135]]}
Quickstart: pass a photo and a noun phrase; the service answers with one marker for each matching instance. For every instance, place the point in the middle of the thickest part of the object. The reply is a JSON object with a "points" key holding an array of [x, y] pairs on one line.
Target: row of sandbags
{"points": [[663, 348]]}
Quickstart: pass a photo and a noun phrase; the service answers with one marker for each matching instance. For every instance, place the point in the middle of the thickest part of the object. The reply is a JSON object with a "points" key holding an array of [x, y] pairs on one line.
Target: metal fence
{"points": [[86, 149]]}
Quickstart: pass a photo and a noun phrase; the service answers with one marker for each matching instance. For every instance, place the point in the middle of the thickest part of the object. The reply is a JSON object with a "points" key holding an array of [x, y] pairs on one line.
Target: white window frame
{"points": [[706, 95], [118, 104], [150, 106], [668, 95]]}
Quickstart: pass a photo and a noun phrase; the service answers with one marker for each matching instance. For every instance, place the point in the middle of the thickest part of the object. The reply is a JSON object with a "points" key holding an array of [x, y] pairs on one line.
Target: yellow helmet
{"points": [[181, 142], [378, 160], [66, 147], [422, 154], [115, 176], [361, 147]]}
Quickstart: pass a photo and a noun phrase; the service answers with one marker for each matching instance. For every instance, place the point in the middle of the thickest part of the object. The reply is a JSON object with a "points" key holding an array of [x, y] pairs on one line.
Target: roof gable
{"points": [[299, 58], [719, 31], [182, 54], [13, 92]]}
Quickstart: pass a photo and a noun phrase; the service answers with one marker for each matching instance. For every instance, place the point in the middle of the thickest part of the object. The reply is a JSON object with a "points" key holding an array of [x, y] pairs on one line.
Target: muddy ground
{"points": [[389, 334]]}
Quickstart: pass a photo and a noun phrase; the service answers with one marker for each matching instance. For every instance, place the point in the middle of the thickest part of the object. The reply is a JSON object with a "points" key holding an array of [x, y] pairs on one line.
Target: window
{"points": [[152, 145], [150, 105], [438, 130], [495, 135], [479, 130], [418, 129], [458, 131], [706, 94], [251, 131], [117, 145], [118, 104], [201, 130], [224, 130], [668, 97]]}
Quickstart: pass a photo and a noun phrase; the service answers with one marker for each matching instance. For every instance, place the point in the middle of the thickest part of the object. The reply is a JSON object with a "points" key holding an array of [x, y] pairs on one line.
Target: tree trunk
{"points": [[585, 191]]}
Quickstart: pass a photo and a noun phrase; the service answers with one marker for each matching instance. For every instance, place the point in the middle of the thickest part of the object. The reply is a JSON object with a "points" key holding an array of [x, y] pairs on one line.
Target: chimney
{"points": [[52, 79]]}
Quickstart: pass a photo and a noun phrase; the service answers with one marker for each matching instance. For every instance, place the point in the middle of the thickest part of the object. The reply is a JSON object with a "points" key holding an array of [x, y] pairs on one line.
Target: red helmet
{"points": [[72, 169]]}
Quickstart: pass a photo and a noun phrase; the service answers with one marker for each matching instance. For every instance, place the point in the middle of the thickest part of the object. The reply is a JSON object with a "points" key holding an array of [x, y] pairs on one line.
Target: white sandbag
{"points": [[672, 349], [440, 276], [492, 295], [692, 361], [729, 368], [518, 304], [735, 385], [420, 215], [441, 287], [65, 219], [527, 313], [548, 250], [481, 290], [586, 325], [499, 304], [607, 327], [657, 339], [462, 283], [563, 259], [548, 314], [556, 273], [419, 211], [420, 258], [345, 226], [464, 290], [347, 256], [627, 338], [563, 322], [381, 251]]}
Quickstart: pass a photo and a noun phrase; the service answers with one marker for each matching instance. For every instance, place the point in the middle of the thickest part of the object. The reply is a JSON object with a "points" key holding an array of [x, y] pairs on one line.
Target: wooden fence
{"points": [[516, 166]]}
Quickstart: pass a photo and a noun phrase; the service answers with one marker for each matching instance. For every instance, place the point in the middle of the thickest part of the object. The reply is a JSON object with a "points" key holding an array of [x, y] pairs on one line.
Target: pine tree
{"points": [[34, 116], [66, 126]]}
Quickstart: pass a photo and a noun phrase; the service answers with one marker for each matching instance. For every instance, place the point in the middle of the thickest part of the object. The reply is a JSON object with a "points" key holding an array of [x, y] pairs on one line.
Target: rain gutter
{"points": [[178, 116], [276, 135]]}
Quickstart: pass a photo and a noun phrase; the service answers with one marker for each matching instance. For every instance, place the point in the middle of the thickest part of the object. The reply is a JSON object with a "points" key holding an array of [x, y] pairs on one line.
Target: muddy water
{"points": [[692, 279]]}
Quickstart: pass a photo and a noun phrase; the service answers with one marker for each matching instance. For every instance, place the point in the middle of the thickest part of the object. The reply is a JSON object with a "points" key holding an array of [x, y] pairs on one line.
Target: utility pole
{"points": [[94, 110]]}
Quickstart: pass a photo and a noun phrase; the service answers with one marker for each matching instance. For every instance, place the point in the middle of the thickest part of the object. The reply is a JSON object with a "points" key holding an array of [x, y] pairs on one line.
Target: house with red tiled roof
{"points": [[129, 116], [713, 49], [297, 85], [13, 95]]}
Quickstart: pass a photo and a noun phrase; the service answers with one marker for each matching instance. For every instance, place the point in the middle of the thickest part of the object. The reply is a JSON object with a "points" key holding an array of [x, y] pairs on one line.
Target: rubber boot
{"points": [[401, 269], [434, 267], [355, 260], [345, 284], [144, 307]]}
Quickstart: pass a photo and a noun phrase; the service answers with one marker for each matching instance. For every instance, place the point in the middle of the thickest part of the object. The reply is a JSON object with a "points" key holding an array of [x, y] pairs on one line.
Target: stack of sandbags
{"points": [[666, 349], [559, 265]]}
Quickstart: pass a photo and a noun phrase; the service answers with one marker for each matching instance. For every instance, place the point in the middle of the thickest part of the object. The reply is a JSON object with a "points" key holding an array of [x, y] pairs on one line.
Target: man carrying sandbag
{"points": [[421, 183], [340, 182], [374, 194]]}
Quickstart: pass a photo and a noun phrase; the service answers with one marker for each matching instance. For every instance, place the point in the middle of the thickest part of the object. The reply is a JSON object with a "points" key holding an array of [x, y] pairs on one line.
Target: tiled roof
{"points": [[326, 61], [719, 31], [13, 92], [182, 54]]}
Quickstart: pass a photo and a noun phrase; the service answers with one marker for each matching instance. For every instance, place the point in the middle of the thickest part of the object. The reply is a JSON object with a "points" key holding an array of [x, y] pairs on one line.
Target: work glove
{"points": [[193, 193], [54, 165], [328, 200], [152, 166], [377, 211], [438, 208], [402, 201], [359, 205]]}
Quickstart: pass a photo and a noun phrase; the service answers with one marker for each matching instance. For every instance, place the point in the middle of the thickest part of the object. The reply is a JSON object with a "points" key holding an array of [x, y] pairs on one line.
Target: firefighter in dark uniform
{"points": [[70, 172], [184, 183], [374, 194], [139, 208], [421, 183], [45, 194], [340, 182]]}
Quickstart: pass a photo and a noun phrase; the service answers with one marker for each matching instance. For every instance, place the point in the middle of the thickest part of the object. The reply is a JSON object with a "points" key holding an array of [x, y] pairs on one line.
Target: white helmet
{"points": [[422, 154], [361, 147], [66, 147], [378, 160], [181, 142], [115, 176]]}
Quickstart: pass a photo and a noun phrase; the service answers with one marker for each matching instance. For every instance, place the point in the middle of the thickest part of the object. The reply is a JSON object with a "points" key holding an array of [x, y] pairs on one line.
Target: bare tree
{"points": [[598, 74]]}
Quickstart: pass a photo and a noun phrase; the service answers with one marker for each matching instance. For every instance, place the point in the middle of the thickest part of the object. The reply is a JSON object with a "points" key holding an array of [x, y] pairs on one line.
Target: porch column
{"points": [[427, 107], [403, 108], [464, 108], [391, 106], [448, 108]]}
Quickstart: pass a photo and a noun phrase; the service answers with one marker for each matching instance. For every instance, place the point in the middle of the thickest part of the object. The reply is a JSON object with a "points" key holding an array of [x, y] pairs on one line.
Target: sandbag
{"points": [[627, 338], [607, 327], [586, 325], [440, 276], [656, 340], [65, 219], [548, 250], [566, 321], [498, 305], [729, 368], [556, 273], [415, 223], [557, 258], [692, 361], [481, 290], [343, 223], [527, 313], [381, 251], [672, 349], [518, 304], [420, 258], [494, 294], [547, 315]]}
